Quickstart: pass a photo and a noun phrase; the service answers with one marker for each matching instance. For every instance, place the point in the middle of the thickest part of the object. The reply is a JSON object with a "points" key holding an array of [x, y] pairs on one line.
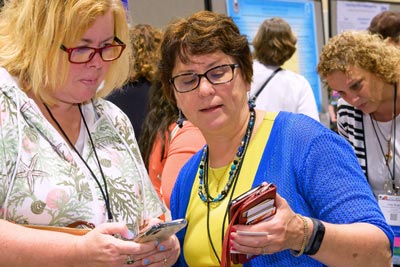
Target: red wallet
{"points": [[253, 206]]}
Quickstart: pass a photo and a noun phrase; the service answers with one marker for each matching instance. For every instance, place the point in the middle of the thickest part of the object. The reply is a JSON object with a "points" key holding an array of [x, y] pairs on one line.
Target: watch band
{"points": [[316, 237]]}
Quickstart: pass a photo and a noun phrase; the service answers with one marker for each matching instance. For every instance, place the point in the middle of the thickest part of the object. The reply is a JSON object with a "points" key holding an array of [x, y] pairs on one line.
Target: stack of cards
{"points": [[260, 212]]}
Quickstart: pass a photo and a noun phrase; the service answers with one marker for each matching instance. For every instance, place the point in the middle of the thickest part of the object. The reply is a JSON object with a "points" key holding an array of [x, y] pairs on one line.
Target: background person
{"points": [[133, 97], [365, 71], [66, 154], [206, 70], [168, 141], [274, 44], [387, 24]]}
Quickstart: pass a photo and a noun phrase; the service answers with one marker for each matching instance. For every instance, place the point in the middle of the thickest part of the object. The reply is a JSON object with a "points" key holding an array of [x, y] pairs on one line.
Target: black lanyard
{"points": [[393, 171], [254, 97], [104, 191]]}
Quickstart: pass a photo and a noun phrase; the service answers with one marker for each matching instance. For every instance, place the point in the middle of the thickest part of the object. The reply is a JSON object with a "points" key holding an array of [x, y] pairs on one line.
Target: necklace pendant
{"points": [[388, 158], [388, 155], [390, 187]]}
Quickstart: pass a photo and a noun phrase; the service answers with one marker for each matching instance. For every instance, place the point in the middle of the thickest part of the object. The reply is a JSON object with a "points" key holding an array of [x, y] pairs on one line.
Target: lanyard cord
{"points": [[254, 97], [104, 191], [231, 194], [392, 175], [226, 211]]}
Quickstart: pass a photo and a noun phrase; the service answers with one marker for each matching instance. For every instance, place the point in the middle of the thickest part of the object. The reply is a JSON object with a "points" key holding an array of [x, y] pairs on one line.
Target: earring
{"points": [[251, 100], [180, 119]]}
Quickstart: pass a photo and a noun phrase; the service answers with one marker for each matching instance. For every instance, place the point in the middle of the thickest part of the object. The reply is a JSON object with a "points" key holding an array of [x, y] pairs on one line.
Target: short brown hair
{"points": [[387, 24], [274, 42], [202, 33]]}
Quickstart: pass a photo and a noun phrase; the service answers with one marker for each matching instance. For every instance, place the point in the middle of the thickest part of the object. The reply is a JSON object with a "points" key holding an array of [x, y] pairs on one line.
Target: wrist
{"points": [[316, 238], [304, 237]]}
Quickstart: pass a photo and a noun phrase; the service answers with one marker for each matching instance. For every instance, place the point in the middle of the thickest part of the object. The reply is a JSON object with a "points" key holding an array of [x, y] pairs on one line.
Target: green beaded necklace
{"points": [[234, 169]]}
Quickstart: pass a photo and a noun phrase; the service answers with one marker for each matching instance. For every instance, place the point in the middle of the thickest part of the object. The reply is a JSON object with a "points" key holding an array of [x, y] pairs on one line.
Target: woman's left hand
{"points": [[165, 253]]}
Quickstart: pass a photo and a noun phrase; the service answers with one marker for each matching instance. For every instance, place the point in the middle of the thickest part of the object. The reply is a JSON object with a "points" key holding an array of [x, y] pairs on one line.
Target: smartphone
{"points": [[240, 198], [244, 195], [255, 205], [160, 231]]}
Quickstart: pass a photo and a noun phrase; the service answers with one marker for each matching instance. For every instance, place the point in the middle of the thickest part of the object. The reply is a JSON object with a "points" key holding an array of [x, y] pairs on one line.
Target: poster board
{"points": [[305, 18], [355, 15]]}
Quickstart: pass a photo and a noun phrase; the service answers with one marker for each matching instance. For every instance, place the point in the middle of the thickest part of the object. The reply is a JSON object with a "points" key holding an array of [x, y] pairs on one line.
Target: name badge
{"points": [[390, 206]]}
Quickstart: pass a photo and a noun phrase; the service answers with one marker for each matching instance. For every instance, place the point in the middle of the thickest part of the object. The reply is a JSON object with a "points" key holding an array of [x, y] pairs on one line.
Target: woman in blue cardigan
{"points": [[326, 213]]}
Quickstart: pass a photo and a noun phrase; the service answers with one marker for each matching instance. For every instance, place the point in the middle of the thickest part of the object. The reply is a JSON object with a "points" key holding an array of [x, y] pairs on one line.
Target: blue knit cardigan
{"points": [[314, 169]]}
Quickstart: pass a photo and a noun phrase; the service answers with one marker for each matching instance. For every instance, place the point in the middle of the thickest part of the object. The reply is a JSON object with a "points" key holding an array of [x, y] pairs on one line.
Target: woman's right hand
{"points": [[100, 247], [25, 247]]}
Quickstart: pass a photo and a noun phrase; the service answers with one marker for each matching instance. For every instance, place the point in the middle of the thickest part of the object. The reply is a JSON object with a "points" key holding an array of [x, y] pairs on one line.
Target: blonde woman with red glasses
{"points": [[67, 155]]}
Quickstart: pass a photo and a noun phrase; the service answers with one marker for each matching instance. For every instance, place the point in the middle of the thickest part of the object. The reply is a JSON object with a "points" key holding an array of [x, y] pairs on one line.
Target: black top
{"points": [[132, 99]]}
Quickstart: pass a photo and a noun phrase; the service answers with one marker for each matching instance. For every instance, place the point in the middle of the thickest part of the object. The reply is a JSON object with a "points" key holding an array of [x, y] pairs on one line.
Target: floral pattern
{"points": [[42, 181]]}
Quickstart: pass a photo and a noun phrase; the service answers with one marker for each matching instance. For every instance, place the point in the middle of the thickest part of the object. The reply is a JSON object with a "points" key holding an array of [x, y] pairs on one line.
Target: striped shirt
{"points": [[369, 140], [351, 126]]}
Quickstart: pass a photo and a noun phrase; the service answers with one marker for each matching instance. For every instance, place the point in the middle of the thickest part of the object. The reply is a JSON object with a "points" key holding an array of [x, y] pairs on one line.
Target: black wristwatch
{"points": [[316, 237]]}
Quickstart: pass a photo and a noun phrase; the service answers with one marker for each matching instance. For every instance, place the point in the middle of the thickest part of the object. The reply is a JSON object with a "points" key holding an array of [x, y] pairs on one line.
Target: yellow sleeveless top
{"points": [[197, 246]]}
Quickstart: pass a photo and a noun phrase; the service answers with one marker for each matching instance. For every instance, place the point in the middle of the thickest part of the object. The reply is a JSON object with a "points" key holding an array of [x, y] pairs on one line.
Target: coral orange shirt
{"points": [[184, 143]]}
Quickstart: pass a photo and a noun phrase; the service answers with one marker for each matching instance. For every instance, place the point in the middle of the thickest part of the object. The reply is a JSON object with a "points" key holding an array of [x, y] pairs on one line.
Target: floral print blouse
{"points": [[43, 181]]}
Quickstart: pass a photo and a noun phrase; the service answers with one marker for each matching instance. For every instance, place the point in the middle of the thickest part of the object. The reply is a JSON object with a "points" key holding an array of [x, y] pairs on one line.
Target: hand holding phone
{"points": [[253, 206], [160, 231]]}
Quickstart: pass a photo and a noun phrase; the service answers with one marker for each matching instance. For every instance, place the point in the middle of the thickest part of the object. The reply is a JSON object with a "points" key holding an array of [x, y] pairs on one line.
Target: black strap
{"points": [[265, 83]]}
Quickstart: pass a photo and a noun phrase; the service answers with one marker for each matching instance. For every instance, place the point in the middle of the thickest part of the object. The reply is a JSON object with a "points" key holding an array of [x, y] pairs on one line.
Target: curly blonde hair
{"points": [[145, 41], [361, 49]]}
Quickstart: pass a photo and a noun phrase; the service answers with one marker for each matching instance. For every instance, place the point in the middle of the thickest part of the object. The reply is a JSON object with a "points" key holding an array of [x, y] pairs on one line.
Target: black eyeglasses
{"points": [[189, 81], [84, 54]]}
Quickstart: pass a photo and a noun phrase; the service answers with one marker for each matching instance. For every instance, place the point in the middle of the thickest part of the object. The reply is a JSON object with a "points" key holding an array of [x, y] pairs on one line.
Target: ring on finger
{"points": [[165, 262], [129, 260]]}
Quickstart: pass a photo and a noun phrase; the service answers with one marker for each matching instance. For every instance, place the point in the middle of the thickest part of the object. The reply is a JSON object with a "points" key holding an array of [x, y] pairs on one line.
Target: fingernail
{"points": [[146, 261], [233, 230], [161, 248], [156, 243], [231, 237], [130, 234]]}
